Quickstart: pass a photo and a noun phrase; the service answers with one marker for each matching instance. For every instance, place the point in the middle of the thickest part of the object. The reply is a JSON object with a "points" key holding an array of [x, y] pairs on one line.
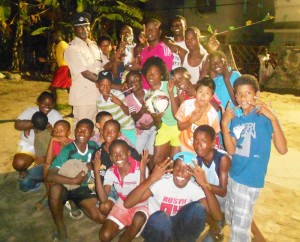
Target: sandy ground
{"points": [[277, 212]]}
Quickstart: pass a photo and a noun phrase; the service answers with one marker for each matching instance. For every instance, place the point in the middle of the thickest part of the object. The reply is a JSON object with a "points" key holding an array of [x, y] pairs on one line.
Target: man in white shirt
{"points": [[84, 59]]}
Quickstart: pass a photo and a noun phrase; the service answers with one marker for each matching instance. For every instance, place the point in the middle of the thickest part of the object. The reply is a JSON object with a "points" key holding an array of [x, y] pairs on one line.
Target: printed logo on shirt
{"points": [[172, 205]]}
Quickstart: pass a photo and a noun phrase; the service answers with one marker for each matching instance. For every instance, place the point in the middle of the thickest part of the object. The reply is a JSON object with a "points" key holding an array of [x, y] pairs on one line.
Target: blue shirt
{"points": [[253, 134]]}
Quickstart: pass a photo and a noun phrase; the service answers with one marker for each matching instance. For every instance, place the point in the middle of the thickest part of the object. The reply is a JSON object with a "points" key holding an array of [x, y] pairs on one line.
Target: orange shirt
{"points": [[184, 114]]}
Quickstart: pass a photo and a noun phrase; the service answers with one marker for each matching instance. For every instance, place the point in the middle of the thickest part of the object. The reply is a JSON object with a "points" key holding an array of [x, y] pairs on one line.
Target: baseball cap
{"points": [[186, 157], [105, 75]]}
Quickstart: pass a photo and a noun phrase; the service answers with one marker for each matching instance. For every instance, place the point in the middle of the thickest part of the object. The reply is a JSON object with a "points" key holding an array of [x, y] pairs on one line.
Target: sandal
{"points": [[41, 204], [73, 213], [55, 238]]}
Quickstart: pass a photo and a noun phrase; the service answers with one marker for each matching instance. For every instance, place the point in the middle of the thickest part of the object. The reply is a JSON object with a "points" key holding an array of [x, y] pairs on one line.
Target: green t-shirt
{"points": [[168, 118], [70, 151]]}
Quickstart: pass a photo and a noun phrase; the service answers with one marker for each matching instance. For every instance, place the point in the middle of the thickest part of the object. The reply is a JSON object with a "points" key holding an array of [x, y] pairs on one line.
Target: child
{"points": [[195, 112], [101, 119], [216, 164], [146, 131], [60, 133], [42, 137], [26, 153], [125, 174], [113, 101], [81, 149], [177, 204], [166, 140], [249, 143], [111, 132]]}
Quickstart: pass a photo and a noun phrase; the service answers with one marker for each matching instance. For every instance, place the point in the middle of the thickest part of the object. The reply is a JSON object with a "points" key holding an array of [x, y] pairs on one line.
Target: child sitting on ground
{"points": [[177, 204], [60, 138], [113, 101], [195, 112], [216, 164], [125, 174], [81, 149], [26, 153], [249, 143], [101, 119], [42, 137], [111, 132]]}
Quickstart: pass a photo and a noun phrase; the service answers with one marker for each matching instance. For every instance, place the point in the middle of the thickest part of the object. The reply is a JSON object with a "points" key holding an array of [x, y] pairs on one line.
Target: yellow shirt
{"points": [[59, 53]]}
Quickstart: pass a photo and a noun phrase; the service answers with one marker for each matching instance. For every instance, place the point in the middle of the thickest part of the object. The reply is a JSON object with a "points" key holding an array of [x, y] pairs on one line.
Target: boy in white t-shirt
{"points": [[177, 204], [125, 175]]}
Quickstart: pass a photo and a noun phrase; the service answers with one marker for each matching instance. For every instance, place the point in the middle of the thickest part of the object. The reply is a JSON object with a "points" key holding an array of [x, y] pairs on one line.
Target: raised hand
{"points": [[213, 43], [115, 100], [198, 173], [161, 169], [228, 114], [144, 160], [97, 161], [263, 108]]}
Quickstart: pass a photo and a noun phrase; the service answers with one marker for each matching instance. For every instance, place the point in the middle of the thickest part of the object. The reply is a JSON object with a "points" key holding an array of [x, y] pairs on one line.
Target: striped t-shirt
{"points": [[116, 111]]}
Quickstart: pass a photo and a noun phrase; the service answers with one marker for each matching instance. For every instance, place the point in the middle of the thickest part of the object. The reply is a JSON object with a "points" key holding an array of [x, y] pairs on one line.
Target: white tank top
{"points": [[194, 71]]}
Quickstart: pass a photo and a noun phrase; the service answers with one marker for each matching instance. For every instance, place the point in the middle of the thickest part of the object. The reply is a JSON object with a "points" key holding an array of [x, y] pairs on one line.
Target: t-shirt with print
{"points": [[168, 117], [210, 117], [116, 111], [170, 198], [135, 106], [131, 180], [70, 151], [253, 134]]}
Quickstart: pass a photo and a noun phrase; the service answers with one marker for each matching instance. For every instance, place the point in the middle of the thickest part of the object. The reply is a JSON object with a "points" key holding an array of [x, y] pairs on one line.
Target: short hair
{"points": [[153, 20], [117, 142], [101, 115], [114, 122], [131, 73], [39, 121], [207, 82], [195, 30], [179, 17], [103, 38], [179, 69], [86, 121], [246, 80], [45, 95], [217, 53], [156, 61], [64, 123], [208, 129]]}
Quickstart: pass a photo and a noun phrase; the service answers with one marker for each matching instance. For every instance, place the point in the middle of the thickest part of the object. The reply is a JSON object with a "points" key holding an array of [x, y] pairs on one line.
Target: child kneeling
{"points": [[125, 175]]}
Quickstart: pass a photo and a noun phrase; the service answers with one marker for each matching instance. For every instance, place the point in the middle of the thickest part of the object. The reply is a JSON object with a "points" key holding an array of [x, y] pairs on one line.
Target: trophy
{"points": [[129, 49]]}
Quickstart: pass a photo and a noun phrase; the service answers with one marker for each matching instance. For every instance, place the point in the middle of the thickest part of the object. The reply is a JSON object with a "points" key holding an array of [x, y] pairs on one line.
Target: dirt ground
{"points": [[277, 212]]}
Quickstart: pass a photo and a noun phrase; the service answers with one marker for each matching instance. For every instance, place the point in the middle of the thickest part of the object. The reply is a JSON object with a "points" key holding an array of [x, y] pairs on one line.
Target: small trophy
{"points": [[129, 49]]}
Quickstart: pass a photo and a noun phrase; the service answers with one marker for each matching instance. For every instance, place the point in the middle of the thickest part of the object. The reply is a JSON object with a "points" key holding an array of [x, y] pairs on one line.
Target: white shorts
{"points": [[26, 148]]}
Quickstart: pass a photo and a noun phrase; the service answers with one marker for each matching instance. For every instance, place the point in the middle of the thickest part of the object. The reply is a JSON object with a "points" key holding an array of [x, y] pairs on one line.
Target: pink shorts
{"points": [[123, 217]]}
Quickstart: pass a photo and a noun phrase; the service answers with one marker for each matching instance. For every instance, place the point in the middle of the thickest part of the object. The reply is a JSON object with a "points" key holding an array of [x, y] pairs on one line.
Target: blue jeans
{"points": [[185, 226], [33, 179]]}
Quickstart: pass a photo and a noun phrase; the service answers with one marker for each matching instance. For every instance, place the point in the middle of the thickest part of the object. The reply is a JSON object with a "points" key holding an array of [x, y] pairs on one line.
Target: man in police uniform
{"points": [[84, 60]]}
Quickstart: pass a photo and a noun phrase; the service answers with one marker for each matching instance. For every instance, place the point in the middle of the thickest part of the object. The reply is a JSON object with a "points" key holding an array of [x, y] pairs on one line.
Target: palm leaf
{"points": [[113, 16], [40, 31], [131, 11]]}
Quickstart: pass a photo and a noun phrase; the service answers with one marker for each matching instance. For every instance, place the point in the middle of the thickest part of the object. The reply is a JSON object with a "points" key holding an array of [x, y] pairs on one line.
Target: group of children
{"points": [[217, 131]]}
